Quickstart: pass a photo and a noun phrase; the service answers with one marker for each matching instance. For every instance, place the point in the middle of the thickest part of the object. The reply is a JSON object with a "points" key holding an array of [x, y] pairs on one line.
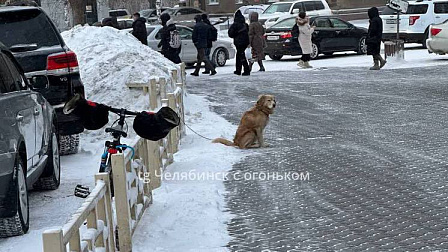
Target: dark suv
{"points": [[29, 153], [50, 66]]}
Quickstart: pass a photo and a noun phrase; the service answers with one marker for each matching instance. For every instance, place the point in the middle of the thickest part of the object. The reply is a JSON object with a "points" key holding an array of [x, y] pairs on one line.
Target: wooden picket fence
{"points": [[92, 227]]}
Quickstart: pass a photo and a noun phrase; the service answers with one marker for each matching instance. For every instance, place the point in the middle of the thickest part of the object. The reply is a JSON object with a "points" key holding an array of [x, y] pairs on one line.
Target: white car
{"points": [[415, 23], [282, 10], [247, 9], [221, 51], [438, 38]]}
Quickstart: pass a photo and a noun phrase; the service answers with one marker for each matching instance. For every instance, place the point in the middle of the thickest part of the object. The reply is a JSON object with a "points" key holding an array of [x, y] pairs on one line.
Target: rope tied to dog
{"points": [[196, 132]]}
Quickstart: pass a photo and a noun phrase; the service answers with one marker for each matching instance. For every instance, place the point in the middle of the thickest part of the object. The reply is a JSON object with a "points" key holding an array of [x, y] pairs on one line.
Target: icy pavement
{"points": [[375, 147]]}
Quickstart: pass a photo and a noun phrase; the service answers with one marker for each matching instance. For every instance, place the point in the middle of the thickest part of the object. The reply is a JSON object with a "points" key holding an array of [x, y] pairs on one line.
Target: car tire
{"points": [[276, 56], [189, 64], [315, 52], [68, 144], [362, 46], [219, 57], [51, 176], [19, 223]]}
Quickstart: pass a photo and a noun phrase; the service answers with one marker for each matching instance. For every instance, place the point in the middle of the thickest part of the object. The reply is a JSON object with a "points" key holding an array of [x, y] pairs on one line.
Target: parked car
{"points": [[414, 24], [282, 10], [247, 9], [183, 13], [438, 38], [331, 35], [120, 13], [124, 23], [29, 153], [48, 63], [148, 13], [221, 51]]}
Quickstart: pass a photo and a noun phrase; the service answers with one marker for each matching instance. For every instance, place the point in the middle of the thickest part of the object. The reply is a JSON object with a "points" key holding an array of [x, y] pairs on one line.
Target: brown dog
{"points": [[250, 131]]}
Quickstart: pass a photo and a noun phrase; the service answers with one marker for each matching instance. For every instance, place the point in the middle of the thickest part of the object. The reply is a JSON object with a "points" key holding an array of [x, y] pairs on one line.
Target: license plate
{"points": [[273, 37], [391, 21]]}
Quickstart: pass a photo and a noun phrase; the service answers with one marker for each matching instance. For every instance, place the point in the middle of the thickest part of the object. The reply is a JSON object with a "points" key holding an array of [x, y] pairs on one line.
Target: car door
{"points": [[324, 35], [344, 37], [440, 12], [19, 107], [189, 52]]}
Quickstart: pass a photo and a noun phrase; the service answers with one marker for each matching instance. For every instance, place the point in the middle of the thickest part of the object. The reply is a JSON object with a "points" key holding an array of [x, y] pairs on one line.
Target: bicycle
{"points": [[152, 126]]}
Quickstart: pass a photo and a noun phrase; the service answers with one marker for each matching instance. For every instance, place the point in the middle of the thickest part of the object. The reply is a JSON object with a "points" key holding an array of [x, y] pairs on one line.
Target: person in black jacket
{"points": [[165, 37], [139, 28], [239, 31], [201, 36], [374, 37], [210, 40]]}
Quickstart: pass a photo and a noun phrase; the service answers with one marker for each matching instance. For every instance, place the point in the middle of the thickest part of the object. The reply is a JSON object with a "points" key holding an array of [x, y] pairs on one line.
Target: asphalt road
{"points": [[374, 145]]}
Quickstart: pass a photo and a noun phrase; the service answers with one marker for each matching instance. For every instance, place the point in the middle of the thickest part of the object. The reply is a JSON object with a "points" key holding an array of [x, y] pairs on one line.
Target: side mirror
{"points": [[295, 11]]}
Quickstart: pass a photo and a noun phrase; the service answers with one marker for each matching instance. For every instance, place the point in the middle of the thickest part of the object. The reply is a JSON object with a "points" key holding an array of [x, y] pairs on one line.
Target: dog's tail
{"points": [[223, 141]]}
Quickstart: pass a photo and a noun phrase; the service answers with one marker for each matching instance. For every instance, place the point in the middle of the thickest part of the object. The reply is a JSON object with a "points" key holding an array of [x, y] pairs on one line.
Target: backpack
{"points": [[175, 40], [214, 33]]}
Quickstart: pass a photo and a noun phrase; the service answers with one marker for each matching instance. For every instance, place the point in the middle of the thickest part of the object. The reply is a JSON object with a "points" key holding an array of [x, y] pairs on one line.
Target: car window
{"points": [[27, 27], [388, 11], [7, 81], [318, 5], [322, 23], [287, 23], [298, 6], [194, 11], [118, 13], [441, 7], [185, 33], [417, 9], [309, 6], [183, 12], [283, 7], [149, 30], [169, 11], [337, 23]]}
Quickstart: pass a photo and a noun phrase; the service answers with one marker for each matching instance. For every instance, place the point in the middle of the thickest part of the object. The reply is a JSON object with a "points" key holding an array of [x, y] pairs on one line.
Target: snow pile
{"points": [[108, 59]]}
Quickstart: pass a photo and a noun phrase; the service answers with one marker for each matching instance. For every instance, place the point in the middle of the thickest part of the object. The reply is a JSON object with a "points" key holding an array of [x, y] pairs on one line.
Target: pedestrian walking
{"points": [[239, 31], [201, 36], [257, 42], [304, 31], [139, 28], [213, 37], [374, 38], [170, 41]]}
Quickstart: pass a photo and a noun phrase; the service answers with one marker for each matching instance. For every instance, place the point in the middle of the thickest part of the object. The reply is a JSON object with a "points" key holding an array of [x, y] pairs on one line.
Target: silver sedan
{"points": [[221, 51]]}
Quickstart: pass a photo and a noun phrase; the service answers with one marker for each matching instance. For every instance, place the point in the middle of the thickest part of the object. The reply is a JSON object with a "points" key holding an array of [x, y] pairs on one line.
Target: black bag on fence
{"points": [[155, 126]]}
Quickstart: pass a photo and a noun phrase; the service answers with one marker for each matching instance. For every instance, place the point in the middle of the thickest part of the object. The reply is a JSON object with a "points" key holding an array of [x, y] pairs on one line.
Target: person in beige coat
{"points": [[257, 42], [305, 34]]}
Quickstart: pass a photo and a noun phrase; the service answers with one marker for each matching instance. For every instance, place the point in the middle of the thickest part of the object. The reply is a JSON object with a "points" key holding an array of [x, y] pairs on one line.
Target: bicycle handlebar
{"points": [[120, 111]]}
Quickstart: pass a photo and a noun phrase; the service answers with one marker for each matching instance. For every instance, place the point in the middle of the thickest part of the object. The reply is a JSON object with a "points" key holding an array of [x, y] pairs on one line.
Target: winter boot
{"points": [[213, 72], [307, 64], [301, 64], [382, 61], [260, 63], [376, 65]]}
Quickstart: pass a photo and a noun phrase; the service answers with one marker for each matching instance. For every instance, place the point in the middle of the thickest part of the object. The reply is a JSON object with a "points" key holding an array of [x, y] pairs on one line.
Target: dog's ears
{"points": [[261, 99]]}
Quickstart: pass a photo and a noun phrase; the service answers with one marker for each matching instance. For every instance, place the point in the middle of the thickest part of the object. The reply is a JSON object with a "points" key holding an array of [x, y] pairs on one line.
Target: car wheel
{"points": [[68, 144], [362, 46], [219, 57], [51, 177], [19, 223], [315, 53], [189, 64], [276, 56]]}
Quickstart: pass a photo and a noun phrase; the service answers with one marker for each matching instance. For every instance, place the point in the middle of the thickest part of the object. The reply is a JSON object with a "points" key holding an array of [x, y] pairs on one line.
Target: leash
{"points": [[195, 131]]}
